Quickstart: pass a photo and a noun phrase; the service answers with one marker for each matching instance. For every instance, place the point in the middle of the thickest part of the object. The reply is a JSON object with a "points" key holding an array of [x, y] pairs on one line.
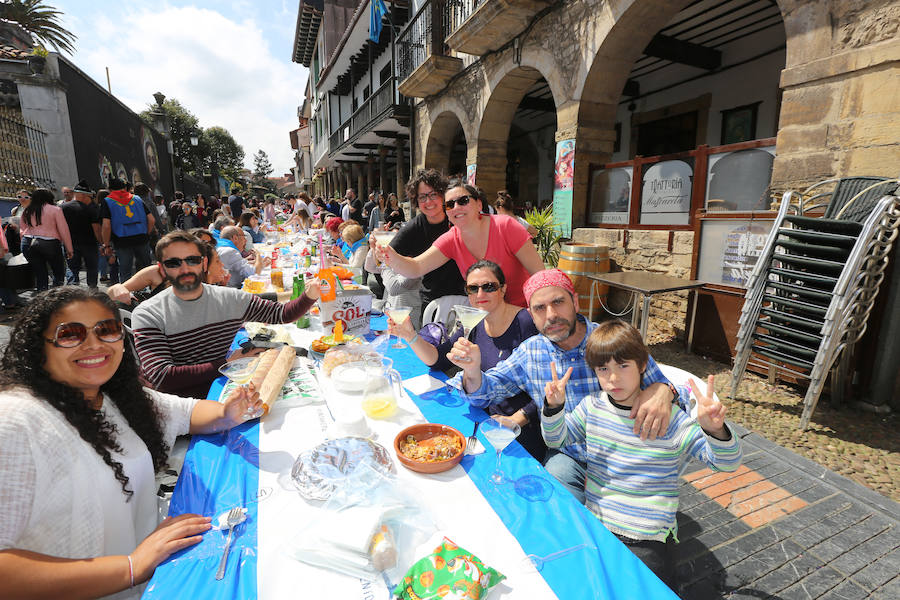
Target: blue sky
{"points": [[228, 62]]}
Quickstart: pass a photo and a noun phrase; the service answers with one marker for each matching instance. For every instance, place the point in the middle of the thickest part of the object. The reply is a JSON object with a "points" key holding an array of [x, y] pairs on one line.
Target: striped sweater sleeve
{"points": [[266, 311], [159, 368], [566, 428], [719, 455]]}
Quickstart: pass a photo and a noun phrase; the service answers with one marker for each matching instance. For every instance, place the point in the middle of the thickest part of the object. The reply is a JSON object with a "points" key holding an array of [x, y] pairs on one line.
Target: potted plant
{"points": [[37, 60], [547, 238]]}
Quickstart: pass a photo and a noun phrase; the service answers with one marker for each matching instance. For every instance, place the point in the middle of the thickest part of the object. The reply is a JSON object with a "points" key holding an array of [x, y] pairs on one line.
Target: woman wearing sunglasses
{"points": [[504, 328], [80, 441], [473, 237]]}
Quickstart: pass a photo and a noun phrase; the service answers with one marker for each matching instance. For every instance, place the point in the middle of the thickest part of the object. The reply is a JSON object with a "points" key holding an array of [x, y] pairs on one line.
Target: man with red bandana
{"points": [[553, 304]]}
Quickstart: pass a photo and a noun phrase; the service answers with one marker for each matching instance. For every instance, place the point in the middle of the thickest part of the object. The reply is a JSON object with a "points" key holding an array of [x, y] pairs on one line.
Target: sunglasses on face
{"points": [[461, 201], [428, 196], [174, 263], [488, 288], [69, 335]]}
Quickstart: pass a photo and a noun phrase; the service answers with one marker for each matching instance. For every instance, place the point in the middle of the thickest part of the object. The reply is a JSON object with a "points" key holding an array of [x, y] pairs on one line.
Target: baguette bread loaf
{"points": [[274, 375]]}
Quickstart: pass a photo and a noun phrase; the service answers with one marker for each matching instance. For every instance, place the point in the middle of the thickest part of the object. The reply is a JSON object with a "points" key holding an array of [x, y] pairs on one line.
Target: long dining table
{"points": [[250, 466]]}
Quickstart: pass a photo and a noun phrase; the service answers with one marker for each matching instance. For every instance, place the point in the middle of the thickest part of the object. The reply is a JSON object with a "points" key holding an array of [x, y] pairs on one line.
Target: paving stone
{"points": [[688, 549], [698, 511], [862, 555], [744, 572], [848, 591], [772, 469], [779, 553], [789, 477], [746, 545], [814, 585], [889, 591], [879, 572], [721, 535], [788, 574], [815, 493], [717, 519], [701, 590]]}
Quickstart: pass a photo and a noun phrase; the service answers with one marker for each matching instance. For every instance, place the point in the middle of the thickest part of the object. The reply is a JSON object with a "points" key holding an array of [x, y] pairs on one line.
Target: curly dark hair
{"points": [[430, 177], [22, 364]]}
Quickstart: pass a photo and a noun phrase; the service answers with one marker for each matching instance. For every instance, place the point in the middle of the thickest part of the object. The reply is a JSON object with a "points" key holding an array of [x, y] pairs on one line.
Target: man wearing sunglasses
{"points": [[418, 235], [183, 333]]}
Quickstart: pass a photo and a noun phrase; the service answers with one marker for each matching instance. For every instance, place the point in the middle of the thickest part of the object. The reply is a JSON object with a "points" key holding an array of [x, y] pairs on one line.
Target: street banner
{"points": [[563, 184]]}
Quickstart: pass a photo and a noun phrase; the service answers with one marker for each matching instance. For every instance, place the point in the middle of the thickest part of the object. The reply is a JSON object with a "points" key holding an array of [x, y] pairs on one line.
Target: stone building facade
{"points": [[837, 111]]}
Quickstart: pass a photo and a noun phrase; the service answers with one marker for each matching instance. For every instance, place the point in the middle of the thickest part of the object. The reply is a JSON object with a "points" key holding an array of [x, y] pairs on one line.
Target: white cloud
{"points": [[222, 70]]}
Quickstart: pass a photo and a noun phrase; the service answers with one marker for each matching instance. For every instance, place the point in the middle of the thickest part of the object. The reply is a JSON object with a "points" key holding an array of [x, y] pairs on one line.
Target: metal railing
{"points": [[415, 42], [455, 12], [375, 106], [23, 154]]}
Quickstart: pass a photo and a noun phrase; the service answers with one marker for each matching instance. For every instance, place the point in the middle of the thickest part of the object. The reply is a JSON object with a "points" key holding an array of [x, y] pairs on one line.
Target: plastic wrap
{"points": [[369, 528]]}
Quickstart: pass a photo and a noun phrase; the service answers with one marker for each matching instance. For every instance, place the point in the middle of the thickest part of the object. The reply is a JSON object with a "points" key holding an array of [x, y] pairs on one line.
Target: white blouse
{"points": [[59, 498]]}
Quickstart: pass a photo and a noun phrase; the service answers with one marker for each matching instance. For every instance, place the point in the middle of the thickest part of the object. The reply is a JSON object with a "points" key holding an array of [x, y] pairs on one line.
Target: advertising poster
{"points": [[470, 174], [563, 184]]}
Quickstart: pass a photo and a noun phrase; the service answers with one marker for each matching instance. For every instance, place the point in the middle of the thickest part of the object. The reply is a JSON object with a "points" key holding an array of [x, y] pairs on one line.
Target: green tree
{"points": [[220, 153], [182, 123], [40, 20], [262, 168]]}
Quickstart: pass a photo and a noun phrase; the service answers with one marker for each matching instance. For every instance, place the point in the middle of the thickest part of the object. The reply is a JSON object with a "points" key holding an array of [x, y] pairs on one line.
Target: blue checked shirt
{"points": [[528, 370]]}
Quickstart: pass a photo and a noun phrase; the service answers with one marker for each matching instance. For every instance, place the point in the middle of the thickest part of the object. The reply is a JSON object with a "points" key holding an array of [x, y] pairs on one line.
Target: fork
{"points": [[235, 516], [539, 561], [473, 446]]}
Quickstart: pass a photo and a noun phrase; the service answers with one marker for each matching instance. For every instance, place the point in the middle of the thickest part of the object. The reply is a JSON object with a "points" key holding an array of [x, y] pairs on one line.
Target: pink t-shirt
{"points": [[506, 236], [53, 225]]}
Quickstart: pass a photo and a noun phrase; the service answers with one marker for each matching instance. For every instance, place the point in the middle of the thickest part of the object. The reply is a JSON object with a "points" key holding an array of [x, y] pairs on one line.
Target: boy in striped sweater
{"points": [[632, 484]]}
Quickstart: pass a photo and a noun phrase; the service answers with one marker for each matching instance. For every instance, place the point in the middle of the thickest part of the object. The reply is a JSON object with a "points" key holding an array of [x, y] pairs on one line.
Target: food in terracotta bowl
{"points": [[429, 447]]}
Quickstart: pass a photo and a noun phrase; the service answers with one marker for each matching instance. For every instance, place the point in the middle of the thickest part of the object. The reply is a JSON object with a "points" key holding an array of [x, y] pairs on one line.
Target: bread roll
{"points": [[275, 375]]}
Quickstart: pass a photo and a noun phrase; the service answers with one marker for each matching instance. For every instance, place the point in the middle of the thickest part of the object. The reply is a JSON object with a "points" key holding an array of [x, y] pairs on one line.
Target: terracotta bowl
{"points": [[424, 431]]}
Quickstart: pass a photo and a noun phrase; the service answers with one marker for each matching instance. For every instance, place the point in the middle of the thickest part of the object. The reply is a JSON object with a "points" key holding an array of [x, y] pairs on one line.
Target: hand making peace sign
{"points": [[710, 412], [555, 390]]}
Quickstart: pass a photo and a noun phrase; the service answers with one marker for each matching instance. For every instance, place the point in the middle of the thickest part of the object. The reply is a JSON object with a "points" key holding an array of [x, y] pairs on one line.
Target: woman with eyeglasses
{"points": [[475, 236], [80, 442], [504, 328], [45, 234]]}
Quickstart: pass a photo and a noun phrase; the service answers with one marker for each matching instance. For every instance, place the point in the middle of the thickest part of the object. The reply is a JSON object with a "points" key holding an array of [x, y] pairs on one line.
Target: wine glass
{"points": [[240, 371], [399, 314], [469, 317], [500, 431]]}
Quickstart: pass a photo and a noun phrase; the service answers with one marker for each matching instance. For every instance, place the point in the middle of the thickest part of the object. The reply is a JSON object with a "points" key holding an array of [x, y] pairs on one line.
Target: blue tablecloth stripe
{"points": [[540, 513]]}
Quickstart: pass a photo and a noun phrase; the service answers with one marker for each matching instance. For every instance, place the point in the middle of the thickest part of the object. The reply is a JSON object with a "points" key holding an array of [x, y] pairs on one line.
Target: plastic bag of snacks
{"points": [[449, 571]]}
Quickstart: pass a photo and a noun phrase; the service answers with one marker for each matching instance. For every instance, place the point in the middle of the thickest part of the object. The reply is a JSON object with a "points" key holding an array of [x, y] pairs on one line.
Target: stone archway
{"points": [[592, 124], [506, 94], [443, 135]]}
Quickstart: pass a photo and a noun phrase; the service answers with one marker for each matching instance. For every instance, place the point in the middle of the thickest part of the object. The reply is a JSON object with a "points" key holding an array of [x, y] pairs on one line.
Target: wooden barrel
{"points": [[579, 261]]}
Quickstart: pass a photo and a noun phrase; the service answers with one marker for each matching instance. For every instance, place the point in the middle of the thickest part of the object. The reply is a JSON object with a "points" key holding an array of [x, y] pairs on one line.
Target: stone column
{"points": [[401, 169], [370, 177], [360, 182], [382, 168]]}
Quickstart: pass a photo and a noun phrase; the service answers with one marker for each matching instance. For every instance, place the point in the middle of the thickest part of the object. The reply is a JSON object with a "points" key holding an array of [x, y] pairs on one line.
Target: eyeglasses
{"points": [[70, 335], [23, 197], [461, 201], [487, 288], [174, 263], [432, 195]]}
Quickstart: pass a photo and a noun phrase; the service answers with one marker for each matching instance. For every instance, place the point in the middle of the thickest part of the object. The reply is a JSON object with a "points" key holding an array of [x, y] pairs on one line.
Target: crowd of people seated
{"points": [[88, 422]]}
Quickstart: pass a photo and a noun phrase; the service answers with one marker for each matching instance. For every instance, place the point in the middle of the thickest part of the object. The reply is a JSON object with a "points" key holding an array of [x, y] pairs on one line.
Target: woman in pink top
{"points": [[44, 232], [475, 236]]}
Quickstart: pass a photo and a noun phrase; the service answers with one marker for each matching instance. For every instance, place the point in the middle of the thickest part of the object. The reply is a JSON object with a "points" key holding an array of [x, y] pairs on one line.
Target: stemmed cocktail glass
{"points": [[240, 371], [469, 317], [500, 431], [399, 314]]}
